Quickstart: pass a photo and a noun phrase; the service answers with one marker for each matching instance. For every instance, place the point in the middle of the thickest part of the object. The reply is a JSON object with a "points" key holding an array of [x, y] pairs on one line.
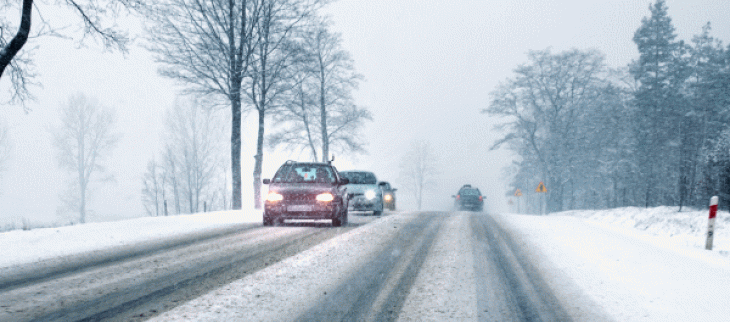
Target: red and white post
{"points": [[711, 223]]}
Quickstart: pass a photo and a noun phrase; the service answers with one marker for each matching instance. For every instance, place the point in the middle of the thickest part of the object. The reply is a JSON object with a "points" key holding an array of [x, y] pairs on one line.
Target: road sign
{"points": [[518, 193], [541, 187]]}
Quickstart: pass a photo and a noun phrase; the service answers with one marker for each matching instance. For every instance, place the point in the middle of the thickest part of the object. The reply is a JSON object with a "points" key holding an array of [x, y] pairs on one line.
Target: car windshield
{"points": [[469, 192], [304, 173], [357, 177]]}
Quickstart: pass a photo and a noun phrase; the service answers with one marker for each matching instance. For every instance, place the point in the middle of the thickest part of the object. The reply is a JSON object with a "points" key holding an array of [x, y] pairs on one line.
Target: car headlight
{"points": [[370, 194], [388, 197], [325, 197], [274, 197]]}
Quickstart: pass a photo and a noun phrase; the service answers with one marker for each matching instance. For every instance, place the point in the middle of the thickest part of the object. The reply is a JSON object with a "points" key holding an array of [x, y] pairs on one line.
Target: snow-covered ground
{"points": [[664, 225], [19, 247], [637, 264]]}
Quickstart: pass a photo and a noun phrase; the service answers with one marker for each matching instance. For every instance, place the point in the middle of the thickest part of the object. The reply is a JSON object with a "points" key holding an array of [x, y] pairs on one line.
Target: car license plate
{"points": [[300, 208]]}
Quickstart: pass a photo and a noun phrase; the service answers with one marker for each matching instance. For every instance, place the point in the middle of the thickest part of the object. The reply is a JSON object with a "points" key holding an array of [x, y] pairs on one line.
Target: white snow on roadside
{"points": [[20, 247], [636, 265], [686, 229]]}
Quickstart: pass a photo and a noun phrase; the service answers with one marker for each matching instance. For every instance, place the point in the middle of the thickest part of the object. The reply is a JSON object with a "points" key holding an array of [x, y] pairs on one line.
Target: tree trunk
{"points": [[258, 160], [11, 49], [323, 119]]}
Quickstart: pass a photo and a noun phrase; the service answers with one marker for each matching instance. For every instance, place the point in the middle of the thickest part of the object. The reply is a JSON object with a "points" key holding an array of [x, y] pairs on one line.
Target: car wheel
{"points": [[377, 213], [267, 221], [336, 222]]}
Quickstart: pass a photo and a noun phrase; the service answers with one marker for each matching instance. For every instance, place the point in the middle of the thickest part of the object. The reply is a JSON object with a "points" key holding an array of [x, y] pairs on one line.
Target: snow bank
{"points": [[685, 229], [29, 246]]}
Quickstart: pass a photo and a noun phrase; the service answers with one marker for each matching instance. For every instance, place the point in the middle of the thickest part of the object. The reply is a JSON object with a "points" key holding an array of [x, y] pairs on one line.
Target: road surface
{"points": [[401, 266]]}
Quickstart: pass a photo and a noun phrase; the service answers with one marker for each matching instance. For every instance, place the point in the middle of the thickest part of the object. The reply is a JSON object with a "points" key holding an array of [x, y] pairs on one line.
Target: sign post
{"points": [[711, 223], [541, 189], [518, 194]]}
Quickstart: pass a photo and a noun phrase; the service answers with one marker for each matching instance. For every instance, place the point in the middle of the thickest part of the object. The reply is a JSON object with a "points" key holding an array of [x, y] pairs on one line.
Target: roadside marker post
{"points": [[711, 223]]}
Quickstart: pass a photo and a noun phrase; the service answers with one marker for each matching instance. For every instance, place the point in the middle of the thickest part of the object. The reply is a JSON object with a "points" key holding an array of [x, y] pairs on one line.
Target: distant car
{"points": [[306, 190], [468, 198], [388, 195], [364, 192]]}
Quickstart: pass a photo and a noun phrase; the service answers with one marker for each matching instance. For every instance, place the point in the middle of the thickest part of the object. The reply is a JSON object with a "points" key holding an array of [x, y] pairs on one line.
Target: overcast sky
{"points": [[429, 67]]}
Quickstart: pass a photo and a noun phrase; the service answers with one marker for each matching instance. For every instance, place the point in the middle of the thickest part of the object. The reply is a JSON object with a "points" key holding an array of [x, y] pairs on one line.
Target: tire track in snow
{"points": [[377, 290], [151, 295], [524, 295]]}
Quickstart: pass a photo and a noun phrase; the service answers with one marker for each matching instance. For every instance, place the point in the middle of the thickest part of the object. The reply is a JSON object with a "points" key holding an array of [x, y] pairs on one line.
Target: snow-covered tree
{"points": [[544, 105], [660, 73]]}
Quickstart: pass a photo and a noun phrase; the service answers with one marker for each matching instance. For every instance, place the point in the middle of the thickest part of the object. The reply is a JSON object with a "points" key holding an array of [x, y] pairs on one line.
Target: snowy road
{"points": [[123, 287], [417, 266], [407, 266]]}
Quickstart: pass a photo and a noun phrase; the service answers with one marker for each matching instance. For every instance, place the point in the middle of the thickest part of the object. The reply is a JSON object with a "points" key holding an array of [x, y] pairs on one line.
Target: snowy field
{"points": [[637, 264]]}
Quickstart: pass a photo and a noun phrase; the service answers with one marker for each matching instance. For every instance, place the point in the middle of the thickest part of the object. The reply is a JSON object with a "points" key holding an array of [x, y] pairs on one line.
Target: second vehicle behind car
{"points": [[364, 191]]}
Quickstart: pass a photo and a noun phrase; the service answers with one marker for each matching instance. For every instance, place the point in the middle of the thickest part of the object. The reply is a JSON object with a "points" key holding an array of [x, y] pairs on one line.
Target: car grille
{"points": [[299, 197]]}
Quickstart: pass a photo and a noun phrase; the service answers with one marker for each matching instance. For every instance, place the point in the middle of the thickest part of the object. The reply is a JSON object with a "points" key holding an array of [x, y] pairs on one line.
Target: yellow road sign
{"points": [[518, 193], [541, 187]]}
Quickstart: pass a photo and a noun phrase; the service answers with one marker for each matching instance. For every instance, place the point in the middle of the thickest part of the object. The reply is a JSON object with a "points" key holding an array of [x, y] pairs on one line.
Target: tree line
{"points": [[275, 58], [655, 132]]}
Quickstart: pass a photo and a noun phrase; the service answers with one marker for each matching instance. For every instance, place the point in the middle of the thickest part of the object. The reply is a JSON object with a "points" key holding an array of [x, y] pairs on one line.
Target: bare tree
{"points": [[193, 138], [274, 54], [296, 124], [193, 169], [207, 46], [339, 118], [95, 15], [418, 169], [84, 139], [170, 176], [321, 109], [153, 193]]}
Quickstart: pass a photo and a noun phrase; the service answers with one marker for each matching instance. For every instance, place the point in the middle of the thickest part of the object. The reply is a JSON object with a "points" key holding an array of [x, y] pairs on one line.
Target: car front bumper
{"points": [[300, 211], [360, 203]]}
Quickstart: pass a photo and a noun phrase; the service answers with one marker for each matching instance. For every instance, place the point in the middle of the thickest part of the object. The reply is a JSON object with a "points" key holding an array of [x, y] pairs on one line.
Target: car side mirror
{"points": [[267, 181], [394, 189], [344, 181], [350, 196]]}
